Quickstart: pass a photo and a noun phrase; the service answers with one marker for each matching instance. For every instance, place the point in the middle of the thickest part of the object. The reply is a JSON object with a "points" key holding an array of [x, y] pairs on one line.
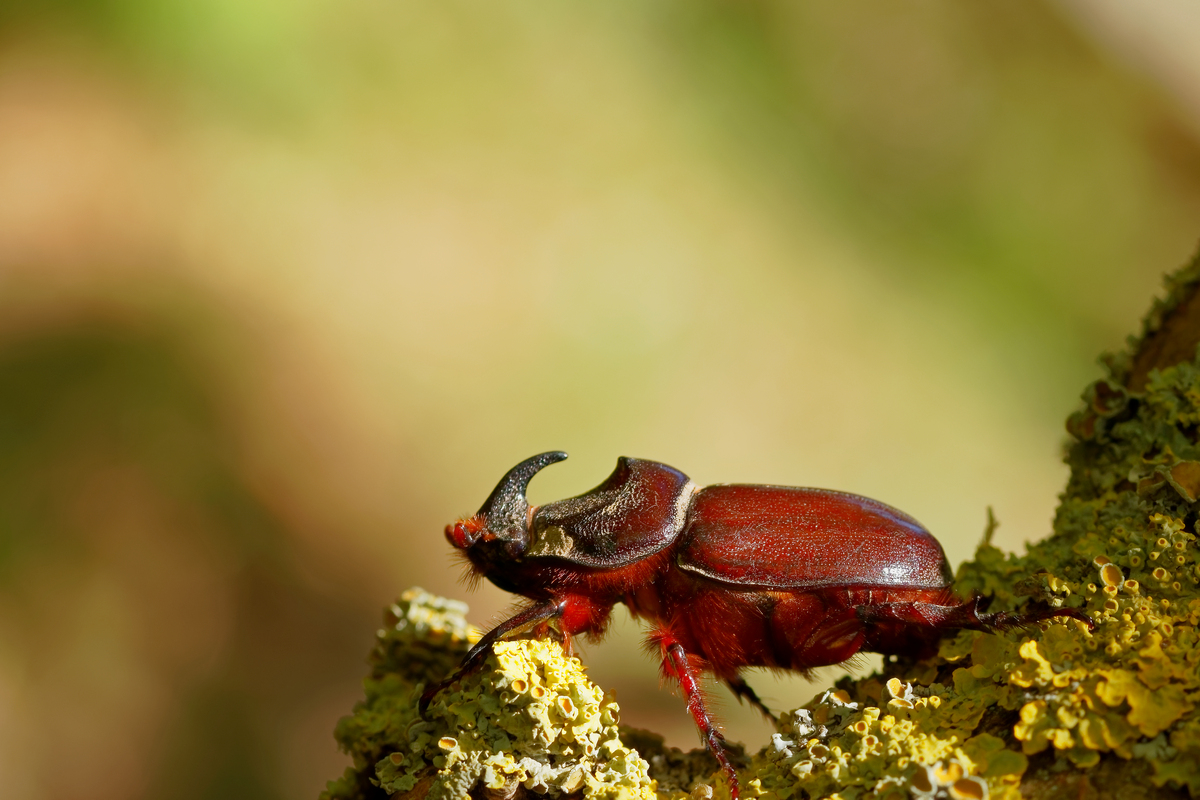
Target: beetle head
{"points": [[499, 532]]}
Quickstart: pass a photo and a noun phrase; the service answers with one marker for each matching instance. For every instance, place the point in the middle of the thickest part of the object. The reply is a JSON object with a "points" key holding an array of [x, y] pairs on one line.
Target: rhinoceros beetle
{"points": [[728, 576]]}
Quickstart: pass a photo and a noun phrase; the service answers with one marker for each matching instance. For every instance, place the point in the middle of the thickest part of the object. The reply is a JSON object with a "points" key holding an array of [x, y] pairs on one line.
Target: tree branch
{"points": [[1044, 712]]}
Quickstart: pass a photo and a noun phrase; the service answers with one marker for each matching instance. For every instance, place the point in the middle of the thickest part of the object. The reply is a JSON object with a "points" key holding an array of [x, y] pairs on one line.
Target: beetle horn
{"points": [[506, 508]]}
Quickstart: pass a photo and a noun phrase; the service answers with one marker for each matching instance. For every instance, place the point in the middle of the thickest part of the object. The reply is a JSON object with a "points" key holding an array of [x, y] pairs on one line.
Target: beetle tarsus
{"points": [[742, 691]]}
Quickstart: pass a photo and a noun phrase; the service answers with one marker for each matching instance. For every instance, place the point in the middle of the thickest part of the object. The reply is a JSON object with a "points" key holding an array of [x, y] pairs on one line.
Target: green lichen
{"points": [[1124, 549], [423, 636], [529, 718]]}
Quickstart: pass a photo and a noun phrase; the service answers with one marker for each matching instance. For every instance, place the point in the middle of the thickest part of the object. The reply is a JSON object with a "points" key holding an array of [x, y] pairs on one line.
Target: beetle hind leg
{"points": [[1005, 620], [677, 665], [893, 622], [742, 691]]}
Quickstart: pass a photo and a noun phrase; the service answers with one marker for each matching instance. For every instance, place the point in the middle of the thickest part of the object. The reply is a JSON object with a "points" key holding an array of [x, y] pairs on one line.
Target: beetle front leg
{"points": [[675, 664], [530, 617]]}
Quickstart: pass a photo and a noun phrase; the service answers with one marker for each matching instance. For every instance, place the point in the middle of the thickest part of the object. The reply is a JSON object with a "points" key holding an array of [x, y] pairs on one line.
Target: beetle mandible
{"points": [[728, 576]]}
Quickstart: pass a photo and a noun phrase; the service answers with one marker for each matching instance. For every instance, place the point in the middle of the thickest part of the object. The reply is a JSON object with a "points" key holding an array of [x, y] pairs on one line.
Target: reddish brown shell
{"points": [[781, 537], [638, 510]]}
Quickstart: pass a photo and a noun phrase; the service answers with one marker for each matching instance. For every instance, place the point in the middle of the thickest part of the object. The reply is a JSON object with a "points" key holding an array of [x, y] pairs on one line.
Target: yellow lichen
{"points": [[530, 716], [891, 740], [558, 735]]}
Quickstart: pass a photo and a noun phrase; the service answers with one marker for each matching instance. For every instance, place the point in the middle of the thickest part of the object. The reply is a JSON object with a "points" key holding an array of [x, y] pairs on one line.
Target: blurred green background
{"points": [[287, 286]]}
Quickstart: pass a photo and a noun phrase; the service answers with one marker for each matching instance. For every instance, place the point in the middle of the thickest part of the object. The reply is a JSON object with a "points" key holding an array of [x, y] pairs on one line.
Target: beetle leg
{"points": [[967, 615], [1004, 620], [675, 664], [742, 691], [530, 617]]}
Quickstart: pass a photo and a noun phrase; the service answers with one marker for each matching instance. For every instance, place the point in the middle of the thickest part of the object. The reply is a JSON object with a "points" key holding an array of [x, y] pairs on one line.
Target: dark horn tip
{"points": [[535, 464], [508, 498]]}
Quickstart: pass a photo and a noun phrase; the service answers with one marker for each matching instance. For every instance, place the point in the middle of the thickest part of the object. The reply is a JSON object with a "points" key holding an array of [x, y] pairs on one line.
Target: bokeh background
{"points": [[286, 285]]}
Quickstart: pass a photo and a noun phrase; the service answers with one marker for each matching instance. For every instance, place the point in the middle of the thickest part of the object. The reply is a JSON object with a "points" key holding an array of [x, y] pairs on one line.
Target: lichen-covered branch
{"points": [[530, 720], [1046, 712]]}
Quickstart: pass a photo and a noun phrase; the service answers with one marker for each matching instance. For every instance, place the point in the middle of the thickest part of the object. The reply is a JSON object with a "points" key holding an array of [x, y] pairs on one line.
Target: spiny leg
{"points": [[967, 615], [742, 691], [530, 617], [675, 664]]}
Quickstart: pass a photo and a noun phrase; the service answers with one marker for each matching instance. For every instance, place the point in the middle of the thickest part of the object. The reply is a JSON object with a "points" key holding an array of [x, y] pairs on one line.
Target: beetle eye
{"points": [[458, 535]]}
